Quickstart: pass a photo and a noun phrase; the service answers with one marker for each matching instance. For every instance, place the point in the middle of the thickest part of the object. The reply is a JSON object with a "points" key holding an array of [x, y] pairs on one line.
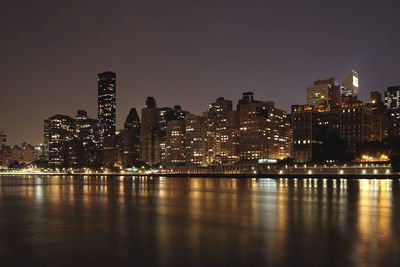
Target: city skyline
{"points": [[121, 117], [189, 55]]}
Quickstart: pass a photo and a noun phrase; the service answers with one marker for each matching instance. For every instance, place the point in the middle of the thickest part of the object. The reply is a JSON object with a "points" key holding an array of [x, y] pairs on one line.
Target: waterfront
{"points": [[147, 221]]}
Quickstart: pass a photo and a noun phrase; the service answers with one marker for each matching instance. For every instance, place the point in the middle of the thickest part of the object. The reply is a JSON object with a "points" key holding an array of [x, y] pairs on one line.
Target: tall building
{"points": [[324, 93], [350, 84], [196, 142], [167, 114], [225, 125], [60, 133], [150, 134], [89, 140], [130, 140], [106, 102], [106, 114], [175, 144], [264, 130]]}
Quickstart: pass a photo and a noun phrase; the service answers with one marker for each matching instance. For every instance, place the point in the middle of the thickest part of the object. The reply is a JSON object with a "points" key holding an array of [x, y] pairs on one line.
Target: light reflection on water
{"points": [[199, 221]]}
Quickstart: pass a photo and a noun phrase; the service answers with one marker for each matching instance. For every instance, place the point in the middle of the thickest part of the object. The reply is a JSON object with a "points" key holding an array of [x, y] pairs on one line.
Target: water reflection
{"points": [[169, 221]]}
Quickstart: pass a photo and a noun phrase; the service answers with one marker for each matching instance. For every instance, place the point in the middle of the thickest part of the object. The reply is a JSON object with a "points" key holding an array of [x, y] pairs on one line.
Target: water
{"points": [[198, 222]]}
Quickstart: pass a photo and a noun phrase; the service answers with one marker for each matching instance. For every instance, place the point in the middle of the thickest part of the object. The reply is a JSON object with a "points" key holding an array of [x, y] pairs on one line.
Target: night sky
{"points": [[185, 52]]}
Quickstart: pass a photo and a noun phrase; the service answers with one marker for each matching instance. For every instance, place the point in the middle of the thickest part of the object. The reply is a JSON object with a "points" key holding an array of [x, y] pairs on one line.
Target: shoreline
{"points": [[221, 175]]}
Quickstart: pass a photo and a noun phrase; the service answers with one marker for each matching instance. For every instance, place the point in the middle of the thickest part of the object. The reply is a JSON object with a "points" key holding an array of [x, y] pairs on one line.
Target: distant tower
{"points": [[106, 102]]}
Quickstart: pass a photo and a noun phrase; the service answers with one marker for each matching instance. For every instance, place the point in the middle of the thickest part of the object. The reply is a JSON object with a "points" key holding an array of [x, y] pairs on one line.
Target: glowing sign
{"points": [[355, 81]]}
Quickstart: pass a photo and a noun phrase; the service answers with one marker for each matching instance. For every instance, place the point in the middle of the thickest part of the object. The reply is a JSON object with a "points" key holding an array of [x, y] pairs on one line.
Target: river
{"points": [[156, 221]]}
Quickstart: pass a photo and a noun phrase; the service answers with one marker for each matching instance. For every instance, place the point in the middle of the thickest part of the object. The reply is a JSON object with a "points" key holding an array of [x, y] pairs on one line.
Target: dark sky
{"points": [[185, 52]]}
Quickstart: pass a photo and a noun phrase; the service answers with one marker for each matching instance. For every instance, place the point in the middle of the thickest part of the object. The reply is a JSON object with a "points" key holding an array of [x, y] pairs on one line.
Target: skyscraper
{"points": [[106, 111], [106, 102]]}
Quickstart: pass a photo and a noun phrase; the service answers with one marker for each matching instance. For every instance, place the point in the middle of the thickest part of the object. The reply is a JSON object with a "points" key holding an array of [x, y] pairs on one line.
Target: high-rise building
{"points": [[392, 104], [106, 102], [130, 140], [59, 133], [167, 114], [324, 93], [175, 144], [150, 133], [350, 84], [224, 122], [264, 130], [196, 142], [89, 140], [106, 114]]}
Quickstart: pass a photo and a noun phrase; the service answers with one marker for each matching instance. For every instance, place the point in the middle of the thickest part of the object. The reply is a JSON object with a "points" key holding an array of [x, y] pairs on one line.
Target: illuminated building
{"points": [[106, 102], [88, 141], [196, 142], [130, 140], [167, 114], [175, 143], [225, 125], [392, 104], [392, 98], [350, 84], [106, 114], [60, 132], [264, 130], [324, 92], [149, 140]]}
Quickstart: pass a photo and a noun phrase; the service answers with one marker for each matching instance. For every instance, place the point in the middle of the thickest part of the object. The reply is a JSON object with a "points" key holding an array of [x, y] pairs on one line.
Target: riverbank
{"points": [[222, 175]]}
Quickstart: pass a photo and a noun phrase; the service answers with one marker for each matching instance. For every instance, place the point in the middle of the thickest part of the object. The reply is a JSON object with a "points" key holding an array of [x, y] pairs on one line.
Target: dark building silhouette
{"points": [[150, 133], [129, 140]]}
